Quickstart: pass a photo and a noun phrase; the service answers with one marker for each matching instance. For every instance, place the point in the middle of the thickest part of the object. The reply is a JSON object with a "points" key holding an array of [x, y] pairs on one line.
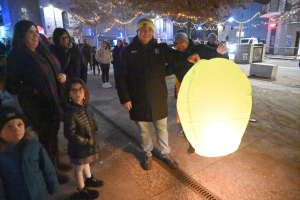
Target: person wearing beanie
{"points": [[184, 44], [141, 86], [26, 171], [33, 73]]}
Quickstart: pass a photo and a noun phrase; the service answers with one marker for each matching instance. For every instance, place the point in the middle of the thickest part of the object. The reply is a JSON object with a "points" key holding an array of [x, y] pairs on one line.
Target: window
{"points": [[164, 25], [65, 19]]}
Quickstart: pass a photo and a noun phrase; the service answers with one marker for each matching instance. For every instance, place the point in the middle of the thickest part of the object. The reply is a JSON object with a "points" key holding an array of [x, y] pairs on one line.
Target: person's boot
{"points": [[191, 150], [62, 166], [93, 182], [85, 193], [169, 160], [147, 164]]}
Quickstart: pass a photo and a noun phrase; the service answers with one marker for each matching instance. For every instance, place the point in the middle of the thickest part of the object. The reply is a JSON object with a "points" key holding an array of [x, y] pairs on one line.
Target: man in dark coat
{"points": [[141, 85], [184, 44], [86, 51]]}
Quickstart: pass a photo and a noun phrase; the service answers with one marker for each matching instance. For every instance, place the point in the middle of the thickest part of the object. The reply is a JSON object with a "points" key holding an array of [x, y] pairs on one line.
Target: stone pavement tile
{"points": [[255, 172]]}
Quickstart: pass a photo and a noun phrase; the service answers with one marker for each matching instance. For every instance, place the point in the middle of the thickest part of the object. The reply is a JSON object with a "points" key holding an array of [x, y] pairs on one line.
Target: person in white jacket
{"points": [[104, 57]]}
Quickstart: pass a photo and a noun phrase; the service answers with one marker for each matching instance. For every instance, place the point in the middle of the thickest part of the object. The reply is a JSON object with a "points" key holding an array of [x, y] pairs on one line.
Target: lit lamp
{"points": [[214, 106]]}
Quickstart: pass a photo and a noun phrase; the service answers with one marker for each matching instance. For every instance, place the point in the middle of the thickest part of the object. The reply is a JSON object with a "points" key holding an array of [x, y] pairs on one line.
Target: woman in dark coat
{"points": [[34, 74], [68, 54]]}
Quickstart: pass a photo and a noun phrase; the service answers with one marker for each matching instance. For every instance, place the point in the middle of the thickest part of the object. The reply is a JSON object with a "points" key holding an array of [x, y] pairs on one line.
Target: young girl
{"points": [[80, 131], [26, 171]]}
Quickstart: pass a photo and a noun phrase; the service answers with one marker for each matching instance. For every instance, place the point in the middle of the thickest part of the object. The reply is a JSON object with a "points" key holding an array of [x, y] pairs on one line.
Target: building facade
{"points": [[245, 24], [283, 36], [49, 14]]}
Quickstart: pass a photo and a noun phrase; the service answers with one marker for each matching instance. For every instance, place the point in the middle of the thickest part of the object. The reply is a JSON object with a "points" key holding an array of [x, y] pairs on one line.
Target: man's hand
{"points": [[127, 105], [222, 49], [193, 58]]}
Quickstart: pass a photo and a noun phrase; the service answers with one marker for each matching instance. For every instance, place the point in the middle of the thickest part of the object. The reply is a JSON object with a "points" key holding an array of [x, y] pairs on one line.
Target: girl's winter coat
{"points": [[26, 172], [80, 131]]}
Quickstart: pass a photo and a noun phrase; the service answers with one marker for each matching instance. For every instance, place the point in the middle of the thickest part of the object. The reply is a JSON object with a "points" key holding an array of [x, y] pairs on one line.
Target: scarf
{"points": [[48, 65]]}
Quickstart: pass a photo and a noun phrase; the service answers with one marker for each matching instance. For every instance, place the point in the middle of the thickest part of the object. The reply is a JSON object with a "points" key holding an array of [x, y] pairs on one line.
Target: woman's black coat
{"points": [[76, 68]]}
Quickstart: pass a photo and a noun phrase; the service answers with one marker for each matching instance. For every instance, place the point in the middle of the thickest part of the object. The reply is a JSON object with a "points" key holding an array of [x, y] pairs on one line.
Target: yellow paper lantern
{"points": [[214, 105]]}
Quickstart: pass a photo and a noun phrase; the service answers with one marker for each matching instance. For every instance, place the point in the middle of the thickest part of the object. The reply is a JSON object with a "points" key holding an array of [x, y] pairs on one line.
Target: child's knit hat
{"points": [[8, 113]]}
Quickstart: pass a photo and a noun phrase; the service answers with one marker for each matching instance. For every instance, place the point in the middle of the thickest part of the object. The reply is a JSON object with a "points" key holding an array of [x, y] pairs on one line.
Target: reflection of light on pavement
{"points": [[231, 56]]}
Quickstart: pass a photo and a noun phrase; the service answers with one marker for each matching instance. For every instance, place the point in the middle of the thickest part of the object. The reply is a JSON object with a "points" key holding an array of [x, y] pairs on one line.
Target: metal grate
{"points": [[188, 181], [179, 174]]}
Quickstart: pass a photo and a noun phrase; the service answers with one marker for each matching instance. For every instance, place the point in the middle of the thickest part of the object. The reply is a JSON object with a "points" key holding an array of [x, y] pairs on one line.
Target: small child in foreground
{"points": [[26, 171]]}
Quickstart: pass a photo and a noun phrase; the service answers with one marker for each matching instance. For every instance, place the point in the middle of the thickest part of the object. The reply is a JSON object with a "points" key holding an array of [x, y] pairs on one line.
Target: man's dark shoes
{"points": [[93, 182], [170, 161], [147, 165], [191, 150], [88, 193]]}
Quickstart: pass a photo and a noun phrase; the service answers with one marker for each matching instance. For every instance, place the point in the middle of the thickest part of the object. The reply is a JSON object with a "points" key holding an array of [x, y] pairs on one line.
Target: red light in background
{"points": [[273, 25]]}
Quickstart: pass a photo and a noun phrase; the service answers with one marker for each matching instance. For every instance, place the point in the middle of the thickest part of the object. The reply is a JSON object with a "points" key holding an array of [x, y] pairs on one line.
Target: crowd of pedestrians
{"points": [[49, 79]]}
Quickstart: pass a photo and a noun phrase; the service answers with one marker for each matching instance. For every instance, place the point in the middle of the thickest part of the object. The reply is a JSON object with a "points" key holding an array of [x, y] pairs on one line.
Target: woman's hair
{"points": [[67, 90], [59, 32], [121, 42], [20, 30]]}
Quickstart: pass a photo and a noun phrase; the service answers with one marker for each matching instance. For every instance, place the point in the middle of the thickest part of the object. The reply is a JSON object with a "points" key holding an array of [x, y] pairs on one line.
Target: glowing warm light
{"points": [[214, 106], [273, 25]]}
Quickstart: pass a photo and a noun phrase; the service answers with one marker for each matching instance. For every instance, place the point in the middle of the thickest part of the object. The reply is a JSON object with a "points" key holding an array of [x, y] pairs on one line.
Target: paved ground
{"points": [[266, 165]]}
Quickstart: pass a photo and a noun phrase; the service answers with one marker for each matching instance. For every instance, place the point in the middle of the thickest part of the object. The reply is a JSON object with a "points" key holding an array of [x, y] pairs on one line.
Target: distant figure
{"points": [[26, 171], [104, 57], [212, 40], [116, 54], [95, 63], [125, 42], [86, 51]]}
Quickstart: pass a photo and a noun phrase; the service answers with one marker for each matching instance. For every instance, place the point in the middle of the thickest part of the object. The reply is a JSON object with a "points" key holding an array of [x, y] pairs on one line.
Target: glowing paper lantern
{"points": [[214, 105]]}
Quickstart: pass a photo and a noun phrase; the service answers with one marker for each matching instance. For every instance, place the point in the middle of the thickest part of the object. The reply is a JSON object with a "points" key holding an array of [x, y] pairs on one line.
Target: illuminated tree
{"points": [[105, 13], [205, 11]]}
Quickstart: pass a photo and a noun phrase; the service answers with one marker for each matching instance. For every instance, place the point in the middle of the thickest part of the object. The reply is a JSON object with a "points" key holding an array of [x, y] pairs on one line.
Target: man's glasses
{"points": [[74, 90]]}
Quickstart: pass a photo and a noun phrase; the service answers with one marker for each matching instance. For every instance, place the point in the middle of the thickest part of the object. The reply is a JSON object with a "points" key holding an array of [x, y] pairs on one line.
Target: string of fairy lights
{"points": [[214, 25]]}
